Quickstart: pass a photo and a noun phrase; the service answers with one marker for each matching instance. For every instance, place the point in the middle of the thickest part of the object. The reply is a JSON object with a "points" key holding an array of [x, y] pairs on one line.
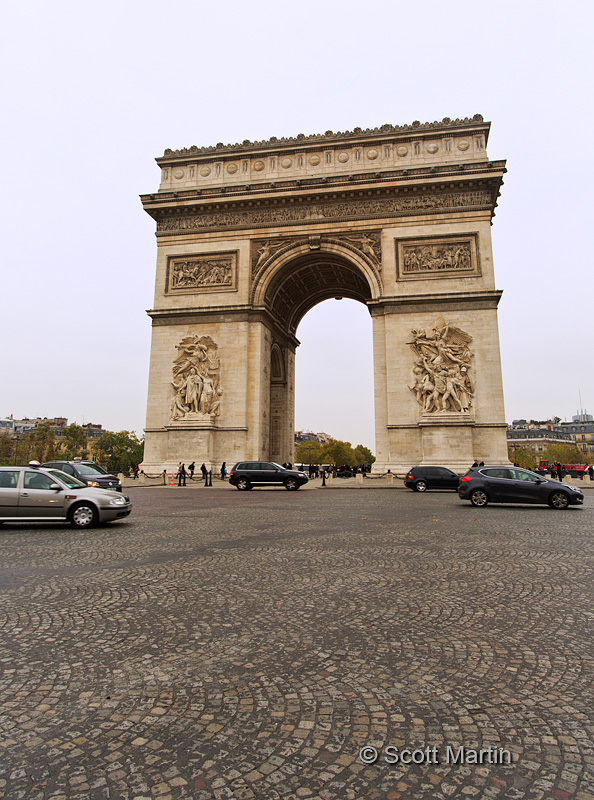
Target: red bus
{"points": [[575, 470]]}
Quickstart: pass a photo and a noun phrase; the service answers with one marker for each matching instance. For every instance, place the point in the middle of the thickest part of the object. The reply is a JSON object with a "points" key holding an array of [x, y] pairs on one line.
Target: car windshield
{"points": [[279, 466], [87, 469], [68, 480], [98, 467]]}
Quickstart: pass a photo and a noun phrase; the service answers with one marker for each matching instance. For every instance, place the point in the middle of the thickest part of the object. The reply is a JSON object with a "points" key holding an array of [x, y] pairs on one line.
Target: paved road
{"points": [[248, 645]]}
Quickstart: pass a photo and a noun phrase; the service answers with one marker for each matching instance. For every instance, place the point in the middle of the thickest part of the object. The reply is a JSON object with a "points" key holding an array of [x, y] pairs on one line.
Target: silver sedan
{"points": [[33, 494]]}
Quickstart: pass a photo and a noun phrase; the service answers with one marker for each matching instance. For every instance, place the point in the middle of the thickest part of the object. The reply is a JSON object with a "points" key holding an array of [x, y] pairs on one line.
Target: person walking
{"points": [[223, 470], [181, 481], [191, 469]]}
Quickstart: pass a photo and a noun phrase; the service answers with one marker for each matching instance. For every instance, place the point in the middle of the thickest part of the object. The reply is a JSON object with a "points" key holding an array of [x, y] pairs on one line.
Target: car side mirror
{"points": [[56, 487]]}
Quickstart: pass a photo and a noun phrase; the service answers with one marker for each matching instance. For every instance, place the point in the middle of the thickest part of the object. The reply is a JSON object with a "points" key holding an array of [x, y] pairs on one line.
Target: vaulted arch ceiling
{"points": [[308, 280]]}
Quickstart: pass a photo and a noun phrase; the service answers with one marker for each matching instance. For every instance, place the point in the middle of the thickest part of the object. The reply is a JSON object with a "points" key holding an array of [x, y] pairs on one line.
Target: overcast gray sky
{"points": [[92, 93]]}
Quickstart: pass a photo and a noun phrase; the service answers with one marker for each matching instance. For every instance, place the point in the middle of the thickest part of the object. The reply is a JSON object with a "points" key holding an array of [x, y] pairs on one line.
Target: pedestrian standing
{"points": [[136, 471], [181, 475], [203, 470], [223, 470], [560, 472], [191, 469]]}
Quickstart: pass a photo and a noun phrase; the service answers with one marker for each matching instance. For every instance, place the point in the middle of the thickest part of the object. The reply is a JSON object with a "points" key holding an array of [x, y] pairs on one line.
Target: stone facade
{"points": [[252, 236]]}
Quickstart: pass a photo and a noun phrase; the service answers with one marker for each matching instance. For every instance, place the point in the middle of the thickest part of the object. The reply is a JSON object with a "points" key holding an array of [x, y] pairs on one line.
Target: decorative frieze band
{"points": [[425, 203]]}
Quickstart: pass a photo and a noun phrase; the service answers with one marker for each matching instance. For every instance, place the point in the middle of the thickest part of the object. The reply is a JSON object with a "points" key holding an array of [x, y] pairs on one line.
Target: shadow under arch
{"points": [[295, 281]]}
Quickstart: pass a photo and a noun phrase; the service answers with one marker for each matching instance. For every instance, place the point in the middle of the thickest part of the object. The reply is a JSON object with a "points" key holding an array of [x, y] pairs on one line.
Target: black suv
{"points": [[515, 485], [419, 479], [88, 472], [246, 474]]}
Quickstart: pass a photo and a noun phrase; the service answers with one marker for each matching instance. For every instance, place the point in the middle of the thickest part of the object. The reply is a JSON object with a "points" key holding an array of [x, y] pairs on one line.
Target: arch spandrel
{"points": [[297, 279]]}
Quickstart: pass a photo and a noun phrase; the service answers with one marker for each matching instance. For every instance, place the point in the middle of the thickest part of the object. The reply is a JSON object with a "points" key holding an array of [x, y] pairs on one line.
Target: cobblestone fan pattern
{"points": [[247, 645]]}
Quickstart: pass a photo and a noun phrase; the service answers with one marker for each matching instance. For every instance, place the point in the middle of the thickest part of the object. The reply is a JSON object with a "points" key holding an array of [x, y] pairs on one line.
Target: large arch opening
{"points": [[299, 284], [342, 405], [334, 381]]}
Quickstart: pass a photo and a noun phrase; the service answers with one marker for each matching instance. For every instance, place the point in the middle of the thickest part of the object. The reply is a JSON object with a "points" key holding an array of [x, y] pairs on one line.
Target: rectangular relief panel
{"points": [[437, 257], [203, 272]]}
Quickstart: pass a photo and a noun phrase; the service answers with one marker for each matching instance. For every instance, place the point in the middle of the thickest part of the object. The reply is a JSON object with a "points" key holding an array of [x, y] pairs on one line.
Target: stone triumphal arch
{"points": [[251, 236]]}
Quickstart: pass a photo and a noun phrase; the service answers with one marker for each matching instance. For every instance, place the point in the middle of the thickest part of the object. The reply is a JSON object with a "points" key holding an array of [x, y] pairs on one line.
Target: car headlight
{"points": [[117, 501], [302, 474], [93, 483]]}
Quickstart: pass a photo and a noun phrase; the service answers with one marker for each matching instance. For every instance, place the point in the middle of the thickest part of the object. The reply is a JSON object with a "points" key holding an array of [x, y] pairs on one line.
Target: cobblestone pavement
{"points": [[248, 645]]}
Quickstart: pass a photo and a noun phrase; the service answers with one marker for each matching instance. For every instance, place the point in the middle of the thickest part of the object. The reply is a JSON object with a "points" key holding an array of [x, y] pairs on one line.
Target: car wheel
{"points": [[243, 484], [421, 486], [479, 498], [558, 500], [83, 515], [291, 485]]}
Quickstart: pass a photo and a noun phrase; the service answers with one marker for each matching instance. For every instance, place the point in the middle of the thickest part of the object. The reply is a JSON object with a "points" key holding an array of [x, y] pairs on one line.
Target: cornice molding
{"points": [[423, 303], [163, 317], [416, 176]]}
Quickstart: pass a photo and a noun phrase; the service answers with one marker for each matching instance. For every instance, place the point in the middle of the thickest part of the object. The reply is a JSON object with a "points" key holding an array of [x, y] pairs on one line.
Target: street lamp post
{"points": [[17, 438]]}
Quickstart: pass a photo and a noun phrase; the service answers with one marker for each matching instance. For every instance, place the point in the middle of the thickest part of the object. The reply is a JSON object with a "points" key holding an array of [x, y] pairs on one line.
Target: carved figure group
{"points": [[196, 378], [432, 258], [442, 368], [189, 274]]}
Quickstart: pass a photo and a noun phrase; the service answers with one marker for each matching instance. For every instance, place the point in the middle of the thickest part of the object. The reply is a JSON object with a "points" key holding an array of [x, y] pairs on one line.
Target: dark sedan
{"points": [[88, 472], [247, 474], [419, 479], [515, 485]]}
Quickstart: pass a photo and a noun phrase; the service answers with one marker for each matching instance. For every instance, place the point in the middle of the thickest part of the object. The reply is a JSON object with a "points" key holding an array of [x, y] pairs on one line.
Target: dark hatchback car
{"points": [[247, 474], [88, 472], [515, 485], [419, 479]]}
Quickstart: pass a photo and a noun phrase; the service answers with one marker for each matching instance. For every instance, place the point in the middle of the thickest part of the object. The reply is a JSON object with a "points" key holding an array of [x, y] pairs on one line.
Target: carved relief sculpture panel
{"points": [[207, 271], [366, 244], [437, 258], [196, 380], [442, 371]]}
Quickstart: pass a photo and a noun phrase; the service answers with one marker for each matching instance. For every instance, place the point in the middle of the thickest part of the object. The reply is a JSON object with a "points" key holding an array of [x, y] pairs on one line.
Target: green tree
{"points": [[339, 453], [119, 451], [522, 455], [564, 453], [6, 448], [364, 455], [42, 444], [308, 452], [75, 442]]}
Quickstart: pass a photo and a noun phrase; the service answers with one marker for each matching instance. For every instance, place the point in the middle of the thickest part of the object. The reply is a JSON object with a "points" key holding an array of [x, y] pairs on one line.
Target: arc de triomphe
{"points": [[251, 236]]}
